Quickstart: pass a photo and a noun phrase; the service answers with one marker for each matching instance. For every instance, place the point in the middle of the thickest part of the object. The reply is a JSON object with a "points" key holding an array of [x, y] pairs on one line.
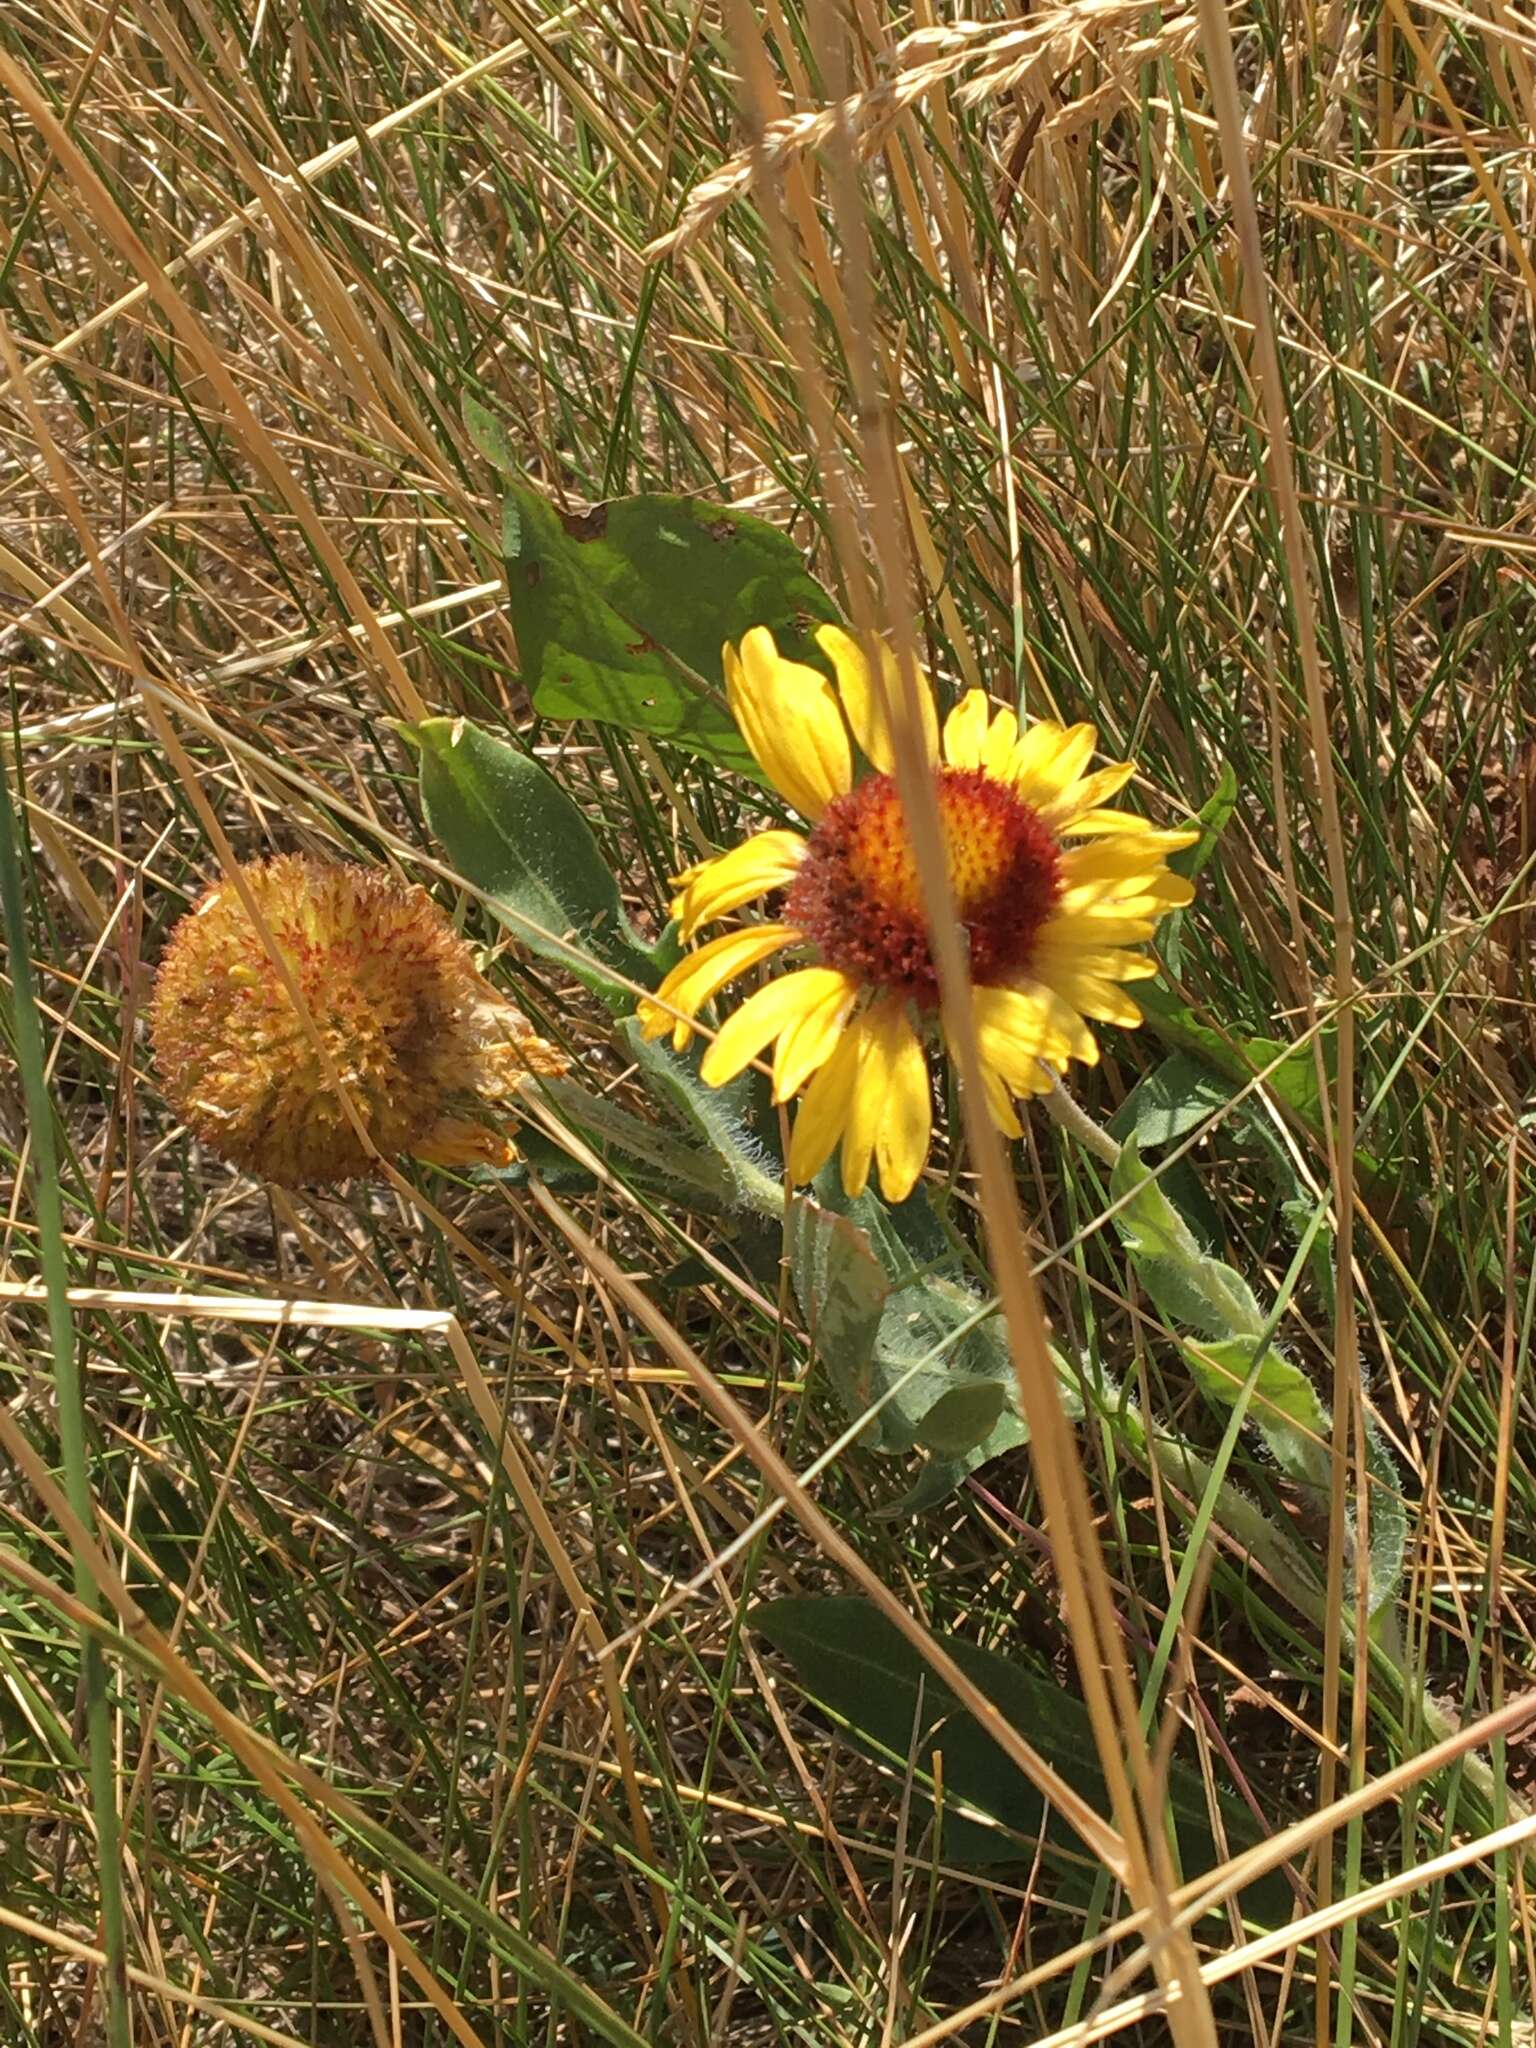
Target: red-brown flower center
{"points": [[858, 899]]}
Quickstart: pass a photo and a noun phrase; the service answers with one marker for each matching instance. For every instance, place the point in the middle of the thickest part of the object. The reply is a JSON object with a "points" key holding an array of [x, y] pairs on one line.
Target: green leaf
{"points": [[490, 436], [1290, 1070], [1294, 1079], [1197, 1292], [621, 611], [939, 1363], [941, 1477], [964, 1417], [1189, 1287], [1213, 817], [855, 1662], [1179, 1096], [921, 1344], [512, 832], [842, 1290], [1388, 1531], [971, 1385], [1285, 1408], [943, 1474], [955, 1372], [686, 1172], [1170, 1102], [1296, 1425]]}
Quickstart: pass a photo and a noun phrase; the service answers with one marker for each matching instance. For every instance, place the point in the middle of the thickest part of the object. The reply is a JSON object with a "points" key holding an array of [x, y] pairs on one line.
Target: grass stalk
{"points": [[74, 1446]]}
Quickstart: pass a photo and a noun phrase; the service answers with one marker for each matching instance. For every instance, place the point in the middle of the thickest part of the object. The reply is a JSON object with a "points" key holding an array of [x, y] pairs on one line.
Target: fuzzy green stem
{"points": [[1278, 1556], [1067, 1111]]}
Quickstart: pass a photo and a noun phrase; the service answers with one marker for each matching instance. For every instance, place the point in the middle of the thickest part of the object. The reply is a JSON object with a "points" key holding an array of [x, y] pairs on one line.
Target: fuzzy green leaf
{"points": [[1190, 1287], [918, 1344], [1292, 1075], [942, 1476], [964, 1417], [1388, 1530], [1197, 1292], [1170, 1102], [685, 1171], [718, 1120], [1213, 817], [511, 831], [1285, 1408], [842, 1289]]}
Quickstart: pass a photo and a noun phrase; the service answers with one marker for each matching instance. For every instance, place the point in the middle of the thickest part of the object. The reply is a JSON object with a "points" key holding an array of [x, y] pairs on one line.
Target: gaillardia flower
{"points": [[424, 1046], [1051, 887]]}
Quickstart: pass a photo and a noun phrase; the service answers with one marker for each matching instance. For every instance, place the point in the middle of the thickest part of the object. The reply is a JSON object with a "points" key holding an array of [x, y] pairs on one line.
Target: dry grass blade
{"points": [[881, 608], [401, 690], [1169, 373], [1100, 1838], [1023, 64], [1350, 1472], [79, 1950]]}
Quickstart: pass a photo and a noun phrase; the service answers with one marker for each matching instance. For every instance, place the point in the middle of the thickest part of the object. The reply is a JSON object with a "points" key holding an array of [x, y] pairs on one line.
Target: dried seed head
{"points": [[420, 1042]]}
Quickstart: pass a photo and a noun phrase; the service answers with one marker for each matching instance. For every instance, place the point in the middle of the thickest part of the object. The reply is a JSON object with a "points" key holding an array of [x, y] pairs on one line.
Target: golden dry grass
{"points": [[391, 1489]]}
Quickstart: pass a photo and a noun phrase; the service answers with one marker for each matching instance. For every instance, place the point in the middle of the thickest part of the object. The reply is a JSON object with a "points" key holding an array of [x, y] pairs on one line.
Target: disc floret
{"points": [[858, 899]]}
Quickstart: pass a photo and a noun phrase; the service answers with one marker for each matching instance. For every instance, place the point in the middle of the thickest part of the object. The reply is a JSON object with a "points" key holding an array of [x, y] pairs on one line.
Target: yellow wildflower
{"points": [[1051, 886]]}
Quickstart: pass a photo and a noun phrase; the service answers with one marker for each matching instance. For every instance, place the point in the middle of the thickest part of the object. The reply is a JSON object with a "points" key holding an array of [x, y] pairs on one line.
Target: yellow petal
{"points": [[997, 748], [1068, 935], [865, 699], [760, 1019], [1097, 998], [1038, 746], [824, 1108], [1106, 880], [1103, 821], [788, 716], [1017, 1028], [866, 1099], [1023, 1035], [965, 730], [808, 1043], [694, 981], [1133, 895], [1087, 793], [1134, 852], [1015, 1024], [1111, 964], [890, 1108], [906, 1123], [1038, 1078], [1048, 758], [715, 887], [999, 1104], [1142, 897], [1014, 1067]]}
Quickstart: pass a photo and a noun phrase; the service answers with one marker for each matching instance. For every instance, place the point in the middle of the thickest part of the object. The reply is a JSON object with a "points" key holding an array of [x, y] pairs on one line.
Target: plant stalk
{"points": [[71, 1421]]}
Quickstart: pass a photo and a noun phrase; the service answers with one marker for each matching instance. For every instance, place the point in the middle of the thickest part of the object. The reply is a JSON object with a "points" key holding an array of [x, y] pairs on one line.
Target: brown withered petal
{"points": [[423, 1046]]}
